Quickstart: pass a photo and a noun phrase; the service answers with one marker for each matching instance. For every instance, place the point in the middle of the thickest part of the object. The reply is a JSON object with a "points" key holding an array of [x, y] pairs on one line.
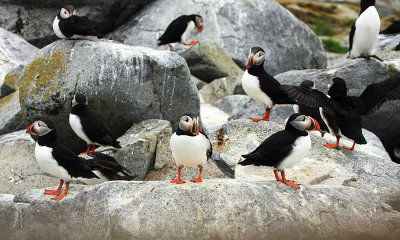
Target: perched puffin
{"points": [[179, 28], [364, 31], [59, 161], [342, 113], [285, 148], [261, 86], [89, 126], [189, 146], [310, 111], [68, 25]]}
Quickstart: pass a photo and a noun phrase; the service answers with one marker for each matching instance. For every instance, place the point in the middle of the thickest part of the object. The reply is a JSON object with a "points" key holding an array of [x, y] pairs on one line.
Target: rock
{"points": [[199, 83], [10, 114], [14, 51], [19, 169], [358, 74], [11, 81], [208, 61], [212, 117], [243, 106], [220, 88], [123, 84], [28, 18], [236, 26], [209, 210], [386, 41]]}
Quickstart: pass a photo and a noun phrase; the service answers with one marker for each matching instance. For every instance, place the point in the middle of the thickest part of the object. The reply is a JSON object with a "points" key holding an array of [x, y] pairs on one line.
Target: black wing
{"points": [[74, 165], [271, 86], [377, 94], [209, 150], [79, 25], [272, 151], [174, 30], [351, 36], [96, 129], [108, 166]]}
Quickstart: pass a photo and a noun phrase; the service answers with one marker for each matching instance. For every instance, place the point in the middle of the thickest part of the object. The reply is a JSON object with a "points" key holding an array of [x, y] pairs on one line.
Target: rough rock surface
{"points": [[33, 19], [11, 81], [14, 51], [220, 88], [123, 84], [358, 74], [236, 26], [386, 41], [10, 113]]}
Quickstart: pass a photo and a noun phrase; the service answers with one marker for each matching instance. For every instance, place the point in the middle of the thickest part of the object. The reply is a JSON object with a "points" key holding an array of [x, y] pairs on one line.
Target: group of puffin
{"points": [[338, 113]]}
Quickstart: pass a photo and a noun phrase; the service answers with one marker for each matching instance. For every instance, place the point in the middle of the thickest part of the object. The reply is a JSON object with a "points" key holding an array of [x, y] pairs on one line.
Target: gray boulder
{"points": [[236, 26], [14, 51], [220, 88], [11, 81], [123, 84], [10, 114], [386, 41]]}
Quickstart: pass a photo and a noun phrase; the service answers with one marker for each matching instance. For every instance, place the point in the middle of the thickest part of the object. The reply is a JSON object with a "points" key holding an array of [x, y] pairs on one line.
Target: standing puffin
{"points": [[68, 25], [261, 86], [285, 148], [342, 113], [179, 28], [189, 146], [364, 31], [313, 112], [89, 126], [59, 161]]}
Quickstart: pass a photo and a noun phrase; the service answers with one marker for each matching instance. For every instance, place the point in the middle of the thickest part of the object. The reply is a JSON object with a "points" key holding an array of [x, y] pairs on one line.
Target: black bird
{"points": [[285, 148], [59, 161], [364, 31], [68, 25], [89, 126], [394, 28], [311, 111], [342, 113], [179, 28], [261, 86]]}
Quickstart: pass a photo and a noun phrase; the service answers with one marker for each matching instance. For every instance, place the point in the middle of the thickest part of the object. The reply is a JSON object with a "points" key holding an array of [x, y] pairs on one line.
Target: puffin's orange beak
{"points": [[250, 62], [31, 130], [200, 29], [197, 127], [314, 125]]}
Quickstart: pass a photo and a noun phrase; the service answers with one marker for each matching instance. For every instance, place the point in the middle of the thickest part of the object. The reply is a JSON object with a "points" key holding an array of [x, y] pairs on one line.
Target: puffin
{"points": [[89, 126], [285, 148], [68, 25], [59, 161], [189, 146], [261, 86], [364, 31], [309, 111], [342, 113], [179, 28], [394, 28]]}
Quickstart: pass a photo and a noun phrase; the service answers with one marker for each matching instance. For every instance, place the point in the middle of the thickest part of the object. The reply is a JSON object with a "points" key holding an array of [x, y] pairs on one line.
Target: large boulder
{"points": [[33, 19], [10, 114], [236, 26], [123, 84], [14, 51], [358, 74]]}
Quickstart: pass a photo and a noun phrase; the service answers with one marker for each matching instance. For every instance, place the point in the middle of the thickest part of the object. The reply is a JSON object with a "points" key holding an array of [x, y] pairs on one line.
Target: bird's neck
{"points": [[181, 132], [256, 70], [78, 108], [48, 139], [366, 4], [292, 129]]}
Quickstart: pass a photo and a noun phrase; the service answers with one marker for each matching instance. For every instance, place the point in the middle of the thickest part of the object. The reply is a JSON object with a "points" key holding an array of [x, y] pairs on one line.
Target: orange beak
{"points": [[197, 128], [250, 62], [200, 29], [31, 129], [314, 125]]}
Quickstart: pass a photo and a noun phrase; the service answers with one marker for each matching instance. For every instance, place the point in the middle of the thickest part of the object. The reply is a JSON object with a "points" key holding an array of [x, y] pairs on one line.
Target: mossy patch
{"points": [[11, 80]]}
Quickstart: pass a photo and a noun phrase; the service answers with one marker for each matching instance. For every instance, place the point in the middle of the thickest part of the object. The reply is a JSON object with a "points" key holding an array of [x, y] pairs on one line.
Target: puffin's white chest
{"points": [[56, 28], [189, 150], [76, 126], [301, 147], [48, 164], [366, 33], [189, 28], [251, 85]]}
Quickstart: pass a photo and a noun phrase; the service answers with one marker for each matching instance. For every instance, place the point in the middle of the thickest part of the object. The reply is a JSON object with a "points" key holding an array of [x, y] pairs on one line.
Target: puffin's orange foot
{"points": [[330, 145], [52, 192], [191, 43], [291, 183], [178, 181], [196, 180], [59, 197], [349, 148]]}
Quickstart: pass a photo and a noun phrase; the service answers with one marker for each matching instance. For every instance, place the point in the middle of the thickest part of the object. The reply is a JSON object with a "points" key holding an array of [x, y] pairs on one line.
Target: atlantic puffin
{"points": [[313, 112], [89, 126], [68, 25], [59, 161], [364, 31], [261, 86], [189, 146], [179, 28], [285, 148], [342, 113]]}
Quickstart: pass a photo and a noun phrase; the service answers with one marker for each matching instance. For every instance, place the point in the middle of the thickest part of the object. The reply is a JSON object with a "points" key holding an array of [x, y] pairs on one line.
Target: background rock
{"points": [[123, 84], [10, 114], [11, 81], [236, 26], [220, 88]]}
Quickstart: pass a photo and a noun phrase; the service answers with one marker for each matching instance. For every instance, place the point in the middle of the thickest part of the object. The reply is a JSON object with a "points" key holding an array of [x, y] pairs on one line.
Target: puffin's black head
{"points": [[40, 127], [189, 124], [198, 22], [337, 87], [256, 57], [302, 122], [308, 84], [79, 99], [66, 12]]}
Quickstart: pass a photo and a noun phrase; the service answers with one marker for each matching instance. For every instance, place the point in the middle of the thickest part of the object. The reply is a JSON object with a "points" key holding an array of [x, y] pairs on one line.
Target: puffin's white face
{"points": [[304, 123], [256, 57], [189, 124], [38, 128], [199, 23], [64, 14]]}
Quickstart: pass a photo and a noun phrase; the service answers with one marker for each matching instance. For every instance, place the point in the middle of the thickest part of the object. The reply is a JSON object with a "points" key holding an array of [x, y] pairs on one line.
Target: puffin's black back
{"points": [[175, 29], [109, 167], [79, 25]]}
